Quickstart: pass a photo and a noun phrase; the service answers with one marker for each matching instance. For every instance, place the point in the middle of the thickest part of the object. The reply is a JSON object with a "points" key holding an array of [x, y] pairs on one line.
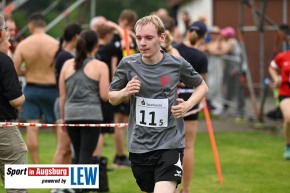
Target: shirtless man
{"points": [[37, 52]]}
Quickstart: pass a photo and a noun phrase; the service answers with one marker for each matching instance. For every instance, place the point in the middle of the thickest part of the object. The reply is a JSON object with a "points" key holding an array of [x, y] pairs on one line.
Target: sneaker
{"points": [[68, 190], [286, 153], [121, 161], [53, 190]]}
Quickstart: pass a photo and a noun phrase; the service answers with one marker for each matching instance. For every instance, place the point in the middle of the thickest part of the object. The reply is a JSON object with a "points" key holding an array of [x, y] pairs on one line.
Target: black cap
{"points": [[199, 27]]}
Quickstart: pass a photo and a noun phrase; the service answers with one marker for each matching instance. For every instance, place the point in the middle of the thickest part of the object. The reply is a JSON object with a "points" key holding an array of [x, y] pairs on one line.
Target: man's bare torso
{"points": [[37, 52]]}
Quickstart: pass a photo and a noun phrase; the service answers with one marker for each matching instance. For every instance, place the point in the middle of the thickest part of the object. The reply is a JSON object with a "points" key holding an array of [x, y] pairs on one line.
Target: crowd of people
{"points": [[67, 81]]}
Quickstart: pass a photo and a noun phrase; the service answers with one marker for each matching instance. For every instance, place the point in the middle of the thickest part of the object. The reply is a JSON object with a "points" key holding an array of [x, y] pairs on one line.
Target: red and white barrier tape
{"points": [[62, 125], [5, 124], [185, 90]]}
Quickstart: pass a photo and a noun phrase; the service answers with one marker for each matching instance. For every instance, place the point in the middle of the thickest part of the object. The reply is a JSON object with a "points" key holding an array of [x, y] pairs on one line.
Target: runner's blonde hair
{"points": [[155, 20]]}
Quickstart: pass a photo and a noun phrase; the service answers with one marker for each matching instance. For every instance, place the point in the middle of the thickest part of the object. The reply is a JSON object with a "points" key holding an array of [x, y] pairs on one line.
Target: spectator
{"points": [[37, 51], [83, 83], [12, 147], [126, 20], [167, 44], [215, 72], [67, 45], [233, 70], [198, 60]]}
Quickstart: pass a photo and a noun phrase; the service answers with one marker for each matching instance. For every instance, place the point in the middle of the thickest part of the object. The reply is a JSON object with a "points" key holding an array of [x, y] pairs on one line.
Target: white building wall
{"points": [[196, 9]]}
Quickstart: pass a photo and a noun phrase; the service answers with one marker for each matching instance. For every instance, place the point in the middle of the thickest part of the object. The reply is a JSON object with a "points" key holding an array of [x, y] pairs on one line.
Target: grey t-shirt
{"points": [[151, 123]]}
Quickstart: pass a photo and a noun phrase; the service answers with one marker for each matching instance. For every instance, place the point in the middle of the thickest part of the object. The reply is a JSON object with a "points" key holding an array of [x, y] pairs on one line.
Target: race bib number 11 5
{"points": [[151, 112]]}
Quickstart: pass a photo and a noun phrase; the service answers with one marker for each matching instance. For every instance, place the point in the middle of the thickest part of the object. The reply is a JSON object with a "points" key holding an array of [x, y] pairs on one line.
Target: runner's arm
{"points": [[132, 87]]}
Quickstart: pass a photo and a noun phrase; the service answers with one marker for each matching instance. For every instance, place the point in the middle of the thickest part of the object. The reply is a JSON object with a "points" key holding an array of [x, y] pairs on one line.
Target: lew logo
{"points": [[51, 176]]}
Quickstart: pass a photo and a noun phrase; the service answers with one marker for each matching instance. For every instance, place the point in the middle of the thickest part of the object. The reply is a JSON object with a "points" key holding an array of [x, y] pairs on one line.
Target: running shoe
{"points": [[121, 161], [286, 153]]}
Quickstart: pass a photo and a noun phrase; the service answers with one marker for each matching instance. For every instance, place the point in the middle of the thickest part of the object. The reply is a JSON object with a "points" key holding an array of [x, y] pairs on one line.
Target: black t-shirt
{"points": [[121, 52], [105, 54], [196, 58], [60, 59], [10, 87]]}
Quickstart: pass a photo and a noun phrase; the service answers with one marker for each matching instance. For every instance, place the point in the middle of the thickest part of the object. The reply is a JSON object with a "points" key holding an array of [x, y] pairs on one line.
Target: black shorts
{"points": [[108, 115], [281, 97], [123, 108], [159, 165], [192, 117]]}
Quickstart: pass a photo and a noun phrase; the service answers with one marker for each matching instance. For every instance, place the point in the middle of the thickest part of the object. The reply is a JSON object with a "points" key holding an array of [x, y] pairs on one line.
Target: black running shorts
{"points": [[159, 165]]}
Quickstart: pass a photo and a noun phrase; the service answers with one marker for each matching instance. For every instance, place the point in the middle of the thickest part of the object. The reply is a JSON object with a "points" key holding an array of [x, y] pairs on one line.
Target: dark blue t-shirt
{"points": [[60, 59]]}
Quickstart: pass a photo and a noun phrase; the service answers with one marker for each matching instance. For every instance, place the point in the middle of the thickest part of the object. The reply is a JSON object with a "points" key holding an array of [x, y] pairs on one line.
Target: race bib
{"points": [[151, 112]]}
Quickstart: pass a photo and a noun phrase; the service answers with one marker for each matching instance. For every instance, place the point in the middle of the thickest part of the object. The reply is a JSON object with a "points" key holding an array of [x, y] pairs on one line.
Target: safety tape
{"points": [[5, 124], [185, 90]]}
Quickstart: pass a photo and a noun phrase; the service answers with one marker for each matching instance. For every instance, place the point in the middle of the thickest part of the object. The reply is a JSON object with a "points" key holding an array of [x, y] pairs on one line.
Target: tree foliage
{"points": [[82, 14]]}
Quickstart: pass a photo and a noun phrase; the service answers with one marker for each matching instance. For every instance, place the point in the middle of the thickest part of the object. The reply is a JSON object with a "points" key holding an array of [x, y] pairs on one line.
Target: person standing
{"points": [[83, 83], [198, 60], [156, 128], [67, 45], [13, 149], [126, 20], [281, 63], [37, 51]]}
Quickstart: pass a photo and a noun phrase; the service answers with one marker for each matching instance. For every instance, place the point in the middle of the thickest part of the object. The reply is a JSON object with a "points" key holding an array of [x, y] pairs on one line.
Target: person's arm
{"points": [[114, 63], [274, 74], [104, 81], [18, 59], [219, 48], [18, 102], [119, 30], [183, 107], [62, 91], [132, 87]]}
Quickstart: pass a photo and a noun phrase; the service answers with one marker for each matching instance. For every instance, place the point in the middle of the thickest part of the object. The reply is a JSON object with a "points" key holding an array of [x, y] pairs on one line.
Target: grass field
{"points": [[251, 162]]}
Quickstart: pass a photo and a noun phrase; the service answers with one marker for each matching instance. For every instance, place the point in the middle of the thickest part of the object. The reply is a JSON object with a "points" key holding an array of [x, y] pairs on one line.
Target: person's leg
{"points": [[168, 173], [284, 105], [32, 141], [165, 187], [89, 140], [119, 139], [119, 134], [63, 151], [32, 114], [188, 158], [99, 148], [75, 138], [13, 151]]}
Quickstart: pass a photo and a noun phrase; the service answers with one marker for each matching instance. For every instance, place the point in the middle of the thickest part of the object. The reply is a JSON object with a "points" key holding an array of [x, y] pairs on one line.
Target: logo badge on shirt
{"points": [[165, 81]]}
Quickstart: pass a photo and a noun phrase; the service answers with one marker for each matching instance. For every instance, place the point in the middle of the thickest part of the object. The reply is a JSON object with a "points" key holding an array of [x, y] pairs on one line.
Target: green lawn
{"points": [[251, 162]]}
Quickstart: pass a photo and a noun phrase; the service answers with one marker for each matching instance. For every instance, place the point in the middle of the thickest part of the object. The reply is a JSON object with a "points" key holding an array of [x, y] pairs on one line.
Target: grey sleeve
{"points": [[188, 75], [120, 78]]}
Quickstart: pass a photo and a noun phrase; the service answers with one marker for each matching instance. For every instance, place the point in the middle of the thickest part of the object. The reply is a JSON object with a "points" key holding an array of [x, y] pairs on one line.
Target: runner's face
{"points": [[148, 40]]}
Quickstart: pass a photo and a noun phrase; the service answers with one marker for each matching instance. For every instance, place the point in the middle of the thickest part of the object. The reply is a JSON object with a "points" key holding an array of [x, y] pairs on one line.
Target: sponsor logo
{"points": [[52, 176], [165, 81], [178, 173]]}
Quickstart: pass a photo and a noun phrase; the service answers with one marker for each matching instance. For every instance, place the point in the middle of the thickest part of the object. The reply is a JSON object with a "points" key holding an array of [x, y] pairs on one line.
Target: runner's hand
{"points": [[180, 109], [133, 86]]}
